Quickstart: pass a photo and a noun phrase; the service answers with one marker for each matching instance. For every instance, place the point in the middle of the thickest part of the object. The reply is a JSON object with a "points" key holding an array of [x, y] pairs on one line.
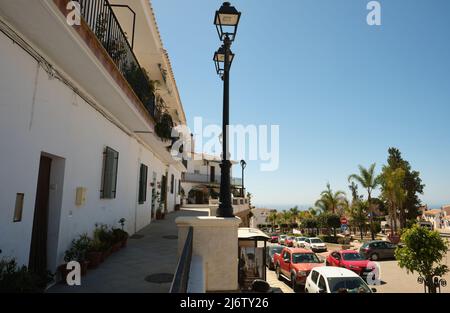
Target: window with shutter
{"points": [[143, 174], [109, 174]]}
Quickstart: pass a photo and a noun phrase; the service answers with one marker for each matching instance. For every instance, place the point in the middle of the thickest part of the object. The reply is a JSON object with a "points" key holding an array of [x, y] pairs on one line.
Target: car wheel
{"points": [[374, 257], [271, 267], [277, 270], [293, 283]]}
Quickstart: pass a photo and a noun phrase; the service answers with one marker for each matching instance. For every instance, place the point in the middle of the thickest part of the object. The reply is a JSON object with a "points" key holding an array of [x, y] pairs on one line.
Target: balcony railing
{"points": [[207, 179], [100, 17]]}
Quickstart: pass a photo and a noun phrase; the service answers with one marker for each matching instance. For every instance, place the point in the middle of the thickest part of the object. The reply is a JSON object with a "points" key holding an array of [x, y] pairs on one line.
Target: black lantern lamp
{"points": [[219, 60], [227, 21], [243, 165]]}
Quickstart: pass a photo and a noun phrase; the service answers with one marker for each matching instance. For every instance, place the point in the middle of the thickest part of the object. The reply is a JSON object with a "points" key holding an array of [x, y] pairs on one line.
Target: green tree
{"points": [[358, 215], [412, 184], [423, 253], [331, 201], [393, 193], [272, 218], [310, 224], [369, 181]]}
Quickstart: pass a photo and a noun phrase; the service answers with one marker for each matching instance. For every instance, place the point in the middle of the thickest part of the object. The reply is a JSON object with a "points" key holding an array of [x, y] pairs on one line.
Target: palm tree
{"points": [[331, 201], [294, 214], [368, 180], [272, 218], [358, 215], [393, 193]]}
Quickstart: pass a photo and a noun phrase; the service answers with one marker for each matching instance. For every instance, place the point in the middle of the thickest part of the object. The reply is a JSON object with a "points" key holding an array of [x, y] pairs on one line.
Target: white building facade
{"points": [[259, 217], [78, 143]]}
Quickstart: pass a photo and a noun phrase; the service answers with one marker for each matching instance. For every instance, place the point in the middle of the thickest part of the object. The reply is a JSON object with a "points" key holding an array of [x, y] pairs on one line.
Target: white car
{"points": [[299, 242], [330, 279], [315, 244], [282, 239]]}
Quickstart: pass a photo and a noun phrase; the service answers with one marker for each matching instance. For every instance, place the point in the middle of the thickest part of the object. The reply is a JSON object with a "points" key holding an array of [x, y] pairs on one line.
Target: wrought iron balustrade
{"points": [[100, 17]]}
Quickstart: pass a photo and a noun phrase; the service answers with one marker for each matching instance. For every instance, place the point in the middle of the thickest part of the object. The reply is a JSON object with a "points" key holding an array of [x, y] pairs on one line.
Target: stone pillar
{"points": [[215, 240]]}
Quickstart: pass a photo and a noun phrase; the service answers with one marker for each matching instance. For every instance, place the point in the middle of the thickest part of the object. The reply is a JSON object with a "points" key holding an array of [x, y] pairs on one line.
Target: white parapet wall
{"points": [[215, 241]]}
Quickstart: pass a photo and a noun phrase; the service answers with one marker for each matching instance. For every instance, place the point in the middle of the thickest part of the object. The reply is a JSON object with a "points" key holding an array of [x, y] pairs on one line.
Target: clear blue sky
{"points": [[342, 92]]}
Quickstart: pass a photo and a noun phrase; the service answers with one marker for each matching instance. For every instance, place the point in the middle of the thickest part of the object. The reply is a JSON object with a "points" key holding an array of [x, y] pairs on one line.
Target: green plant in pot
{"points": [[94, 254], [104, 236], [77, 252], [120, 238]]}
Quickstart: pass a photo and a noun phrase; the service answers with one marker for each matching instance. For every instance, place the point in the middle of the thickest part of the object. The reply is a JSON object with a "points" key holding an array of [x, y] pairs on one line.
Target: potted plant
{"points": [[94, 254], [120, 238], [159, 214], [77, 252], [104, 236]]}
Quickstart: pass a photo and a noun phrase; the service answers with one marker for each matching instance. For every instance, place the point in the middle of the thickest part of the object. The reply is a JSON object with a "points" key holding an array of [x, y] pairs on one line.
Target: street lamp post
{"points": [[243, 165], [226, 21]]}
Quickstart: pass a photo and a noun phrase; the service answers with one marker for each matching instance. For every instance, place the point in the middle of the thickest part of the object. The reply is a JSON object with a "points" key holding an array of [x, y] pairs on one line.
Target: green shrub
{"points": [[78, 250], [19, 279]]}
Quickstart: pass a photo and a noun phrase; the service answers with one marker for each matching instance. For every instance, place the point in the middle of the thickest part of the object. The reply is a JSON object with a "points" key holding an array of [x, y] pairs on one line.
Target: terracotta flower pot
{"points": [[84, 268], [64, 272], [94, 258], [106, 254], [116, 247]]}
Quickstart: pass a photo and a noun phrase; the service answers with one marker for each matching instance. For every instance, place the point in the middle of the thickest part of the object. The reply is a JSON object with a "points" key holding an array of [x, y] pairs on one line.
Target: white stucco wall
{"points": [[64, 126]]}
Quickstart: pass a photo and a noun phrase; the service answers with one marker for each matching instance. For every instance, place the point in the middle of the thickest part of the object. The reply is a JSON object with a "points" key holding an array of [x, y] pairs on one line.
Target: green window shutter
{"points": [[110, 170]]}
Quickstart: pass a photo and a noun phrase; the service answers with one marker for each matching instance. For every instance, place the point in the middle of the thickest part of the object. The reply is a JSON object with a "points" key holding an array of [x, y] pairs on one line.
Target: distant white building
{"points": [[79, 125], [438, 217], [259, 217]]}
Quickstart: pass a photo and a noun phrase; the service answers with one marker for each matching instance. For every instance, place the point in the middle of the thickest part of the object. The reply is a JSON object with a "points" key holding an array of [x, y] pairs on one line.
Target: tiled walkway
{"points": [[125, 271]]}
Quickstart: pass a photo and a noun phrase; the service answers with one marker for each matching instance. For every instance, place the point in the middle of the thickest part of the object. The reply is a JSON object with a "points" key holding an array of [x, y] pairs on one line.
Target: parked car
{"points": [[274, 238], [289, 241], [315, 244], [331, 279], [295, 264], [352, 260], [378, 249], [281, 239], [299, 242], [269, 255]]}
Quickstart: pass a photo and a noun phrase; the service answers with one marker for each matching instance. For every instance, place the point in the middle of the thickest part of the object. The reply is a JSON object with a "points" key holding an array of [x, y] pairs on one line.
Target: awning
{"points": [[252, 234]]}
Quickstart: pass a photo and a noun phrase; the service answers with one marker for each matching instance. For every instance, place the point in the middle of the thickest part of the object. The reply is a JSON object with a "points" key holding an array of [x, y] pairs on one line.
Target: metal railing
{"points": [[207, 179], [100, 17], [181, 278]]}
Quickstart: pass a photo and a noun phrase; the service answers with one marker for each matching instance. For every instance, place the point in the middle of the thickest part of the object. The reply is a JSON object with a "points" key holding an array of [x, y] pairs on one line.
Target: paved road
{"points": [[393, 278]]}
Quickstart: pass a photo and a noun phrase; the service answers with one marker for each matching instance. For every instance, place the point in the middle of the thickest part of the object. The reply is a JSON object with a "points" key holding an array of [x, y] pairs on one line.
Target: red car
{"points": [[289, 241], [295, 264], [349, 259]]}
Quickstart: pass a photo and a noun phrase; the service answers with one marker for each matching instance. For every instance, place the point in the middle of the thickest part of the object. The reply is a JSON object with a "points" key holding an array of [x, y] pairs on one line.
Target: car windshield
{"points": [[274, 250], [353, 257], [283, 236], [316, 240], [347, 285], [305, 258]]}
